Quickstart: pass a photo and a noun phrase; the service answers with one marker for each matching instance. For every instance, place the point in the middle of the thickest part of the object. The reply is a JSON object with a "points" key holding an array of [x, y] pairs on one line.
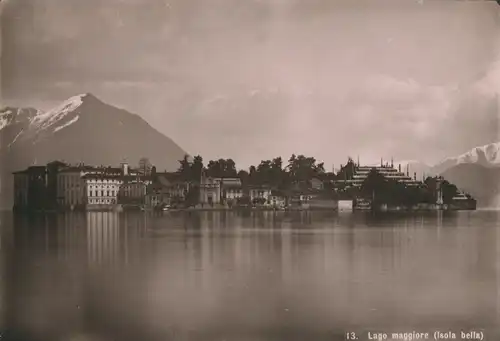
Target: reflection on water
{"points": [[253, 276]]}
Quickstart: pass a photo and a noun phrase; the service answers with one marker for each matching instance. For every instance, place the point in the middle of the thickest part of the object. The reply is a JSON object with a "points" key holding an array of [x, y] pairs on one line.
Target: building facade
{"points": [[101, 189], [133, 190], [276, 199], [30, 189], [61, 186], [70, 187], [219, 190], [156, 196], [259, 192]]}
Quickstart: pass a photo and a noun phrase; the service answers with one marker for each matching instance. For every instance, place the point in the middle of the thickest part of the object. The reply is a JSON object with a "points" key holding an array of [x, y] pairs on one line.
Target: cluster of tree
{"points": [[274, 173], [449, 190], [299, 170], [387, 191]]}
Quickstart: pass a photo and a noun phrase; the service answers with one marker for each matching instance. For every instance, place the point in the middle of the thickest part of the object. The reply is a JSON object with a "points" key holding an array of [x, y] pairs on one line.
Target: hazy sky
{"points": [[253, 79]]}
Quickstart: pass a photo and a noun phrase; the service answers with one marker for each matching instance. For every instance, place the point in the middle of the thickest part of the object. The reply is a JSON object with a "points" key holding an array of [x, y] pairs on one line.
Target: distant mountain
{"points": [[483, 183], [487, 156], [476, 172], [81, 129]]}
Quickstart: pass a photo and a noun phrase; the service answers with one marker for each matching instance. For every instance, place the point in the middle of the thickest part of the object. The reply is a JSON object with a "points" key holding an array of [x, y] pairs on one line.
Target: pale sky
{"points": [[254, 79]]}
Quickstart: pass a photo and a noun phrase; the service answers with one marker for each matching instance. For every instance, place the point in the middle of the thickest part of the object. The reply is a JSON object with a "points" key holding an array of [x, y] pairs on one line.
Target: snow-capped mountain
{"points": [[14, 121], [476, 172], [486, 156], [59, 114], [80, 129], [10, 116]]}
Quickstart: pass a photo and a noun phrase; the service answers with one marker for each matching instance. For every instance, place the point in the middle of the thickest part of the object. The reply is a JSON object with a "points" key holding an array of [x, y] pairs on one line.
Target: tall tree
{"points": [[302, 168], [185, 168], [197, 168], [214, 168], [230, 168], [449, 191], [278, 176], [252, 175], [244, 176], [222, 168], [320, 168]]}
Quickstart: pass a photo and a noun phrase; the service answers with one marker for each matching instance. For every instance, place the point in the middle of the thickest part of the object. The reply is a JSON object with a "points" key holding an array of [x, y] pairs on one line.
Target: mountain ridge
{"points": [[476, 171], [487, 156]]}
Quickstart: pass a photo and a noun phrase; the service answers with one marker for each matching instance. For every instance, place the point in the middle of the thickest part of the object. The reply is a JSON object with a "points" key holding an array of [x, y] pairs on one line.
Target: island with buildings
{"points": [[303, 184]]}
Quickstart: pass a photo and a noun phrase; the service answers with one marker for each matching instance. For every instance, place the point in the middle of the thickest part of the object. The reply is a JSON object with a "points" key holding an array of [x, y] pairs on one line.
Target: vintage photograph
{"points": [[249, 170]]}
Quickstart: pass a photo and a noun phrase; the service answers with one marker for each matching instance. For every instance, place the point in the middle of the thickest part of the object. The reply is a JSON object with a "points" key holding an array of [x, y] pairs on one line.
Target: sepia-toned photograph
{"points": [[249, 170]]}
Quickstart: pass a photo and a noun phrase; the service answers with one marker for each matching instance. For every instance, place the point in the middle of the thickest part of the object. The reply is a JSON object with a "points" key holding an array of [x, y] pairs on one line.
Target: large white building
{"points": [[92, 187]]}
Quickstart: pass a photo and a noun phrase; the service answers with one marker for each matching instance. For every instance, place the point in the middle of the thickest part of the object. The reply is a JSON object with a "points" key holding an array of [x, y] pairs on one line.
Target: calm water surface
{"points": [[234, 276]]}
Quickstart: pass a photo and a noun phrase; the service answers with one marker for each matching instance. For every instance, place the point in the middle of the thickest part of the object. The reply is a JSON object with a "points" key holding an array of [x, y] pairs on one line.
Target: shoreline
{"points": [[256, 209]]}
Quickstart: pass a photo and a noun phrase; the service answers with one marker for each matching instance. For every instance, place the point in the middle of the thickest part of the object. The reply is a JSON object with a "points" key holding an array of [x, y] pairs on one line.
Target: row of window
{"points": [[99, 186], [104, 181], [101, 193], [102, 201]]}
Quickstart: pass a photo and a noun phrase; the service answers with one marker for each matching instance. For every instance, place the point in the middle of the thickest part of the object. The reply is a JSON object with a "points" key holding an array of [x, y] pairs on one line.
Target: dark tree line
{"points": [[274, 173]]}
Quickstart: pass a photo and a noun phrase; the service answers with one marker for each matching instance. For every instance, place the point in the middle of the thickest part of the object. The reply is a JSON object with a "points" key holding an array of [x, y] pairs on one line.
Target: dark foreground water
{"points": [[261, 276]]}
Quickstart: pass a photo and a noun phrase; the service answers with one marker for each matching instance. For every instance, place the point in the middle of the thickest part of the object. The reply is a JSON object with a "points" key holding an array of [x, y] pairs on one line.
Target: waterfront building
{"points": [[231, 189], [133, 189], [156, 196], [171, 185], [360, 173], [101, 189], [299, 198], [30, 187], [210, 190], [52, 170], [165, 187], [21, 189], [219, 190], [71, 186], [259, 192], [232, 192], [276, 199]]}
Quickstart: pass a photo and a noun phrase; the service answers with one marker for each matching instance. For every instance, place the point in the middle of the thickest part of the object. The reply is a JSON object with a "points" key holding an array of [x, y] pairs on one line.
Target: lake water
{"points": [[254, 276]]}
